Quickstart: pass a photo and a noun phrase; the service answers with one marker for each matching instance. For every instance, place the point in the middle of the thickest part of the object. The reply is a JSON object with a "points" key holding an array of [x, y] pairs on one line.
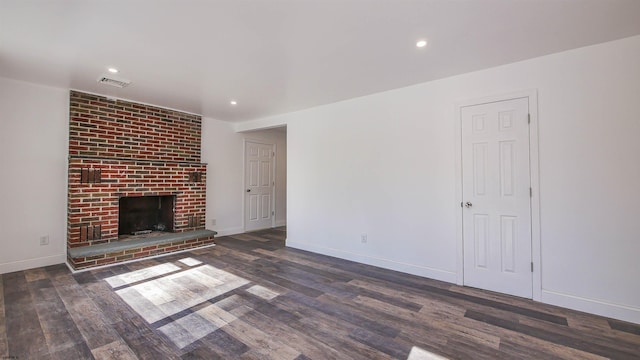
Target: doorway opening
{"points": [[265, 172]]}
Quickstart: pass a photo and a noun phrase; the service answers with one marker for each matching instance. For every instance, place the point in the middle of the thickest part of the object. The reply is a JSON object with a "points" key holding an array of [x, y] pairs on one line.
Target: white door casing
{"points": [[259, 185], [496, 196]]}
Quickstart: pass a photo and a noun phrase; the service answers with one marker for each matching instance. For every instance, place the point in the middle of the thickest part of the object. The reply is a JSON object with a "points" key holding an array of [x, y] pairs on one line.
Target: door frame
{"points": [[244, 181], [532, 96]]}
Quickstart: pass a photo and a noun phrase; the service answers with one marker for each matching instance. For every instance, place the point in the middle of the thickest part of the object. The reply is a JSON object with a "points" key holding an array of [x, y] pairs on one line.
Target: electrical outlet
{"points": [[213, 221], [363, 238], [44, 240]]}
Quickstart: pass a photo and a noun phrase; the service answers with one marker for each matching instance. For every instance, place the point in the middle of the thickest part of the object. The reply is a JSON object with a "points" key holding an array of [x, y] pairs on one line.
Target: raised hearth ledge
{"points": [[101, 249], [148, 161]]}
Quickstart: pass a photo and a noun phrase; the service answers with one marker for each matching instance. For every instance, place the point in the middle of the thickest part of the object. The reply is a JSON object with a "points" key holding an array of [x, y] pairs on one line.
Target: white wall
{"points": [[34, 130], [384, 165], [223, 150]]}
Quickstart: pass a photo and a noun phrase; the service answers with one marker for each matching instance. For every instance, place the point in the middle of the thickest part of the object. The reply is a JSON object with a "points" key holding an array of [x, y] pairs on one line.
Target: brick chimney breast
{"points": [[121, 149]]}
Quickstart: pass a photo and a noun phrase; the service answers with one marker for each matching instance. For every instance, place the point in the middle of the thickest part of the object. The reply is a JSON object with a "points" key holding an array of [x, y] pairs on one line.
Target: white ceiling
{"points": [[277, 56]]}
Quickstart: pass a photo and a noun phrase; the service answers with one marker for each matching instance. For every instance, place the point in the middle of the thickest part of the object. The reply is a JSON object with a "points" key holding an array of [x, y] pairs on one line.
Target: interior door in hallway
{"points": [[259, 186], [497, 197]]}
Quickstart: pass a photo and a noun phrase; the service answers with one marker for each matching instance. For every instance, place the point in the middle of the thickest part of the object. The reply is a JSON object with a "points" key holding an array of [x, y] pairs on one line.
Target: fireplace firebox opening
{"points": [[145, 215]]}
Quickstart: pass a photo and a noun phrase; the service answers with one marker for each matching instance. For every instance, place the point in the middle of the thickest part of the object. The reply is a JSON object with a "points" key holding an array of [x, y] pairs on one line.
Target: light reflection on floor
{"points": [[161, 291], [140, 275], [196, 325], [422, 354]]}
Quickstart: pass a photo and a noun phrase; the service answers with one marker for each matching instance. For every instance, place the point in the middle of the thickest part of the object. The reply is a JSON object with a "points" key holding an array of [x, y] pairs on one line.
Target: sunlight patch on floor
{"points": [[190, 261], [197, 325], [141, 275], [178, 301], [262, 292], [422, 354], [157, 299]]}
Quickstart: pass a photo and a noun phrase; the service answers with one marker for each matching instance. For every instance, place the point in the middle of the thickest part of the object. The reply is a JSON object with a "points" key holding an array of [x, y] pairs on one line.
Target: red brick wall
{"points": [[132, 254], [120, 149], [95, 205], [103, 128]]}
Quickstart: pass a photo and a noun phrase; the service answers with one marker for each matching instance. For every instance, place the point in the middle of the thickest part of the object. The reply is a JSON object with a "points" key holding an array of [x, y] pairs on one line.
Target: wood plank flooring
{"points": [[251, 298]]}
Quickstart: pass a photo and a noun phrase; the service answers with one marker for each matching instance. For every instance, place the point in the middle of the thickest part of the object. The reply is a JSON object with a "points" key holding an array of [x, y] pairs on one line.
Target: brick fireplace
{"points": [[136, 184]]}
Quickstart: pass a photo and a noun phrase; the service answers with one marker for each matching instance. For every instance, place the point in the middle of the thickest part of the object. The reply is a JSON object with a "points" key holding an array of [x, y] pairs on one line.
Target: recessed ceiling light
{"points": [[113, 70], [233, 102], [421, 43]]}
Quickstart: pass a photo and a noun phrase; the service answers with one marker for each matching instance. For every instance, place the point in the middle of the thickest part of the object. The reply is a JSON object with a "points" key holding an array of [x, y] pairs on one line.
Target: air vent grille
{"points": [[109, 80]]}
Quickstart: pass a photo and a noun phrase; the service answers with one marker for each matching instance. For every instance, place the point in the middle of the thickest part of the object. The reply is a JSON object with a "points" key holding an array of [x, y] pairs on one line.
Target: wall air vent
{"points": [[110, 80]]}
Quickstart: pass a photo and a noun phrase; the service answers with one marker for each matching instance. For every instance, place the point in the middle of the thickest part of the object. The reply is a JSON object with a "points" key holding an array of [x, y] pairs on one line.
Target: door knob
{"points": [[248, 190], [468, 204]]}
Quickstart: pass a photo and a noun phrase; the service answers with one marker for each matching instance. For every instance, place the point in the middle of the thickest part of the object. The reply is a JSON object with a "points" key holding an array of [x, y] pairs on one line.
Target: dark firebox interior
{"points": [[145, 213]]}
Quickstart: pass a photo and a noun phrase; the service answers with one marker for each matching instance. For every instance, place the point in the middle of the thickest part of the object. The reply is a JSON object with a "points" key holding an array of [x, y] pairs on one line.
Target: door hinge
{"points": [[273, 213], [532, 266], [530, 192], [528, 118], [461, 205]]}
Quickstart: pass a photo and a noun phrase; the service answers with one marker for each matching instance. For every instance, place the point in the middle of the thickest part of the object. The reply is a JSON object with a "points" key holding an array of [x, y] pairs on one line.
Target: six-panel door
{"points": [[496, 197], [259, 185]]}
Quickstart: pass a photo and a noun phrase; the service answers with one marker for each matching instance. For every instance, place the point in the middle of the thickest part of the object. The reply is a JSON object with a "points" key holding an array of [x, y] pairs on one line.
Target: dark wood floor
{"points": [[251, 298]]}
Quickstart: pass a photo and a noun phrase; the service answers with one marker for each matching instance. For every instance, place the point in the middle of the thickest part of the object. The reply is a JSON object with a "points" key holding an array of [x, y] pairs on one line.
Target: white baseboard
{"points": [[592, 306], [437, 274], [32, 263], [229, 231], [240, 230]]}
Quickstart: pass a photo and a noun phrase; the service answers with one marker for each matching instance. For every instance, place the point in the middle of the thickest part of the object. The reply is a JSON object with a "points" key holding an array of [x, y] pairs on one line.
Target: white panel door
{"points": [[496, 197], [259, 185]]}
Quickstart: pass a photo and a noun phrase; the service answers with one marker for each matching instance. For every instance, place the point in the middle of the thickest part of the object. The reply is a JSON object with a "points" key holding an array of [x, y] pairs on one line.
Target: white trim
{"points": [[592, 306], [458, 199], [274, 151], [244, 182], [243, 199], [532, 96], [418, 270], [534, 168], [230, 231], [74, 271], [33, 263]]}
